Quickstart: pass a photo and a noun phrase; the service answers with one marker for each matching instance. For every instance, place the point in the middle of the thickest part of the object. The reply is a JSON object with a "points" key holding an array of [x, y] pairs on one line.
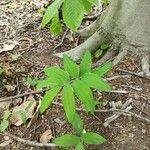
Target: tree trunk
{"points": [[126, 24]]}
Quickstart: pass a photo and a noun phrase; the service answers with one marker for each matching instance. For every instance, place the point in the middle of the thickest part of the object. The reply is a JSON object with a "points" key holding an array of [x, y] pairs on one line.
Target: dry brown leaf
{"points": [[6, 142], [7, 69], [70, 37], [5, 105], [10, 88], [10, 45], [46, 137], [27, 107], [35, 115]]}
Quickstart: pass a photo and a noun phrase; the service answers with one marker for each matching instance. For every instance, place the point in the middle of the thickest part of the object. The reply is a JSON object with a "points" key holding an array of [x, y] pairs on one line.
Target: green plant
{"points": [[1, 69], [72, 13], [74, 83], [5, 121], [80, 137]]}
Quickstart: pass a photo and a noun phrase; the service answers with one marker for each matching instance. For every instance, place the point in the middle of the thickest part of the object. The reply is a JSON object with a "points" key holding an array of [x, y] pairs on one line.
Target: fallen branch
{"points": [[41, 91], [62, 40], [113, 110], [134, 74], [27, 142], [21, 95]]}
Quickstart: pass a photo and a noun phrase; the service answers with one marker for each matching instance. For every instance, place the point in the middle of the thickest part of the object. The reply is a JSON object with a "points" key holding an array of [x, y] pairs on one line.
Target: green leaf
{"points": [[86, 4], [86, 63], [98, 53], [79, 146], [101, 71], [68, 102], [85, 95], [50, 82], [1, 69], [94, 81], [71, 67], [23, 117], [67, 140], [73, 13], [93, 1], [77, 124], [55, 72], [51, 12], [6, 115], [4, 125], [104, 46], [48, 98], [56, 27], [106, 2], [92, 138]]}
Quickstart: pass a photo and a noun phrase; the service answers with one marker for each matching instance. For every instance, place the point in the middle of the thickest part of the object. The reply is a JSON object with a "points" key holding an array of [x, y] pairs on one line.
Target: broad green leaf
{"points": [[48, 98], [80, 146], [92, 138], [71, 67], [94, 81], [56, 27], [4, 125], [77, 124], [56, 72], [106, 2], [1, 69], [50, 82], [23, 117], [101, 71], [86, 63], [104, 46], [73, 13], [67, 140], [93, 1], [86, 4], [98, 53], [84, 94], [68, 102], [51, 12], [6, 115]]}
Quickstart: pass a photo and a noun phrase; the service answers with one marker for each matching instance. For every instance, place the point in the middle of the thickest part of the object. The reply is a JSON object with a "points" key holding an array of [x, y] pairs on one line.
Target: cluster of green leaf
{"points": [[104, 46], [80, 137], [7, 114], [72, 13], [1, 69], [74, 82], [5, 121]]}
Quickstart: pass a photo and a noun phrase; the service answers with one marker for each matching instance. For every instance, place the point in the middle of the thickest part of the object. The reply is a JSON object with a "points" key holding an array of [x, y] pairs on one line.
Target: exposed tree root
{"points": [[145, 62], [89, 30], [125, 20], [91, 44]]}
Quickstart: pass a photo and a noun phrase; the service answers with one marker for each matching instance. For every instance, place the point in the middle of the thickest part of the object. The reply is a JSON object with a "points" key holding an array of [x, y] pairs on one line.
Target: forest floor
{"points": [[25, 50]]}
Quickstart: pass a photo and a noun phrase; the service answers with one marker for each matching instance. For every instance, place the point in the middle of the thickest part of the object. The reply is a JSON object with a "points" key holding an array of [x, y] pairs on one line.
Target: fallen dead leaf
{"points": [[8, 46], [6, 142], [27, 107], [5, 105], [35, 115], [70, 37], [46, 137], [7, 69], [10, 88]]}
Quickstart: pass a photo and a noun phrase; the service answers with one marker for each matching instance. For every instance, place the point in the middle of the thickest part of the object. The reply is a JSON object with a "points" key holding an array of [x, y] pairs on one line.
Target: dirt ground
{"points": [[33, 50]]}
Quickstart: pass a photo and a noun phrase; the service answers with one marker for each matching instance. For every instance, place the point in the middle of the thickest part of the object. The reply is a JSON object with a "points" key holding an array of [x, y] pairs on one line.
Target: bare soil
{"points": [[20, 21]]}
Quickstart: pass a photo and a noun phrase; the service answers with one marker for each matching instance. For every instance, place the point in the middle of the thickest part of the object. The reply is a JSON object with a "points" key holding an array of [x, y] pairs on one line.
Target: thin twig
{"points": [[79, 109], [62, 40], [134, 74], [21, 95], [27, 142]]}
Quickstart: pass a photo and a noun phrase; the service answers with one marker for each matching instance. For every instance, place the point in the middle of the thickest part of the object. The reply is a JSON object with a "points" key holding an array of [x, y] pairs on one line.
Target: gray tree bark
{"points": [[125, 24]]}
